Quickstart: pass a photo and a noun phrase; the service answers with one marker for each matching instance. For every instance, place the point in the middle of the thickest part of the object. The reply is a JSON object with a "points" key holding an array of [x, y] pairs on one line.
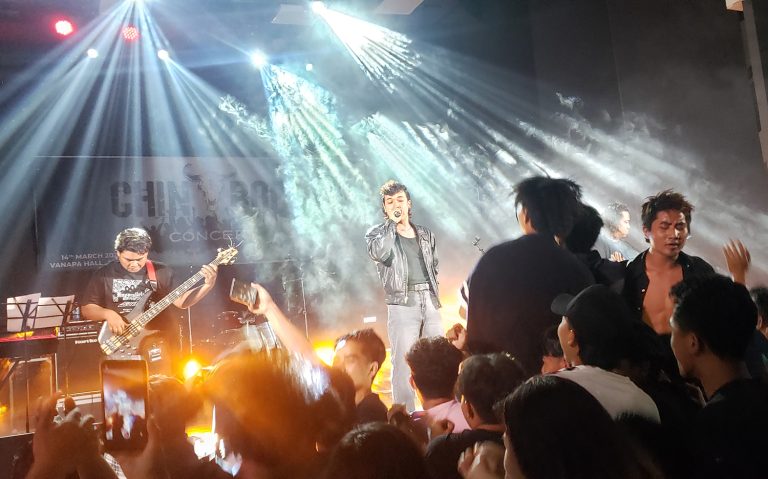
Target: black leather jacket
{"points": [[392, 264]]}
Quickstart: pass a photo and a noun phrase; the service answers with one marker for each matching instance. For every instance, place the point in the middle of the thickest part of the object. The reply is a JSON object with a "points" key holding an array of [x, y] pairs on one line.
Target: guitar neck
{"points": [[158, 307]]}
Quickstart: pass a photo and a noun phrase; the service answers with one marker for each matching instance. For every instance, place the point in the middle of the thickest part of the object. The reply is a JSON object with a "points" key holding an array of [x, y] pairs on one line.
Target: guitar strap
{"points": [[152, 275]]}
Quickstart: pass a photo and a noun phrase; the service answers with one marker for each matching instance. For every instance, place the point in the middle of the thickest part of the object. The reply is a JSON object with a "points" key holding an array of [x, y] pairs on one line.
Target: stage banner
{"points": [[190, 207]]}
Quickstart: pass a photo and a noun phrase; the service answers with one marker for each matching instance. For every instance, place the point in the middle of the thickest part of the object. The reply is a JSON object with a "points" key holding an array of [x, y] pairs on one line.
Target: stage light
{"points": [[318, 7], [130, 33], [258, 59], [383, 54], [325, 352], [92, 53], [64, 27], [163, 54], [191, 368], [309, 67]]}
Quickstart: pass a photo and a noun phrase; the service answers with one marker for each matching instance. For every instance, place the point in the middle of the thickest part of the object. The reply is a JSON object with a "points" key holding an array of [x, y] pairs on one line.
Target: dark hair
{"points": [[656, 445], [760, 297], [552, 205], [434, 364], [376, 451], [271, 407], [666, 200], [371, 343], [391, 188], [613, 214], [550, 343], [486, 379], [547, 420], [585, 231], [135, 240], [719, 311]]}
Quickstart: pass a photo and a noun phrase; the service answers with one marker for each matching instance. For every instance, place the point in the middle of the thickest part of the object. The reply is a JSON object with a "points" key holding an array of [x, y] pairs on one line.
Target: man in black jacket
{"points": [[406, 261], [514, 283], [650, 276], [712, 325]]}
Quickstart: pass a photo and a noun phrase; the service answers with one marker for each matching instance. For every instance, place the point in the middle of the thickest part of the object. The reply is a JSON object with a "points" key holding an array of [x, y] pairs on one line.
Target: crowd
{"points": [[572, 364]]}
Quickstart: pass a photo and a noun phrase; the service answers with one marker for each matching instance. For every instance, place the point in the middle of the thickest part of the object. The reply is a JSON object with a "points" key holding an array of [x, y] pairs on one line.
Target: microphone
{"points": [[397, 213]]}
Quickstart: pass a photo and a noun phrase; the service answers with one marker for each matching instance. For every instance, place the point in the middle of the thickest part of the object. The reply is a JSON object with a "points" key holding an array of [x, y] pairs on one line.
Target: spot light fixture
{"points": [[259, 59], [63, 27]]}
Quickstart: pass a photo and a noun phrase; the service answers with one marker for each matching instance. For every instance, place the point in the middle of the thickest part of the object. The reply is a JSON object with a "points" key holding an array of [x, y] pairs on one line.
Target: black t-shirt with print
{"points": [[113, 287]]}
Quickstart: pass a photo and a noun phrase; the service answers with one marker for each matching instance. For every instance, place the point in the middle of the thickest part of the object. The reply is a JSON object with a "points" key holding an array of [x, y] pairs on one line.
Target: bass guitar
{"points": [[126, 344]]}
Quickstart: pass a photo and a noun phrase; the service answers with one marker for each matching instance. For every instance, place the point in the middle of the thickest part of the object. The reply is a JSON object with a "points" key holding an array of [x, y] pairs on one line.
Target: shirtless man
{"points": [[666, 224]]}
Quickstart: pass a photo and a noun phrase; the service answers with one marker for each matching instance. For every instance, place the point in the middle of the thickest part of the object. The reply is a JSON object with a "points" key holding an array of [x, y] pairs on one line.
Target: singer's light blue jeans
{"points": [[405, 325]]}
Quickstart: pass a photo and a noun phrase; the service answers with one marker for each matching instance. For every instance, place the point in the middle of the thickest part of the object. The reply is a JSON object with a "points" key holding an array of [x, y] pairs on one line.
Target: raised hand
{"points": [[738, 259], [62, 443], [485, 460], [264, 301], [457, 335]]}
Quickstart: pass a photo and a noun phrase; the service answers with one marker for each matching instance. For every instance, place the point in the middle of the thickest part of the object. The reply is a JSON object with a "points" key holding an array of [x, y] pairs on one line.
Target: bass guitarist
{"points": [[116, 288]]}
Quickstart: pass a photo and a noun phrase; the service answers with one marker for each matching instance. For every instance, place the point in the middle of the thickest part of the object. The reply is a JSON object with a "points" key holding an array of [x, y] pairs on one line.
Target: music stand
{"points": [[38, 313], [19, 310]]}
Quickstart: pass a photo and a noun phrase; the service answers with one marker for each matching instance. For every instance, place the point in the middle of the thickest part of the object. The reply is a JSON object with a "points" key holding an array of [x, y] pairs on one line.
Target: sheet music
{"points": [[16, 306], [50, 312]]}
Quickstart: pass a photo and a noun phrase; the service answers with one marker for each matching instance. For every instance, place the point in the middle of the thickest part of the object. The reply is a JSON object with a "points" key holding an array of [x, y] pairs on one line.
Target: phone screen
{"points": [[243, 293], [124, 400]]}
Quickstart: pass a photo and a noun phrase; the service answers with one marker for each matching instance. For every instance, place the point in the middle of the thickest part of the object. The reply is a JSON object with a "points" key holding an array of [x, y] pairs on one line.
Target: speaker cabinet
{"points": [[78, 358]]}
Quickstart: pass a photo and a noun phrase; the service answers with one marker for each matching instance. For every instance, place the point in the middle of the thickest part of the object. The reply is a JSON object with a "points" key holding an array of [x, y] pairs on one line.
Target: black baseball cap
{"points": [[601, 321], [595, 300]]}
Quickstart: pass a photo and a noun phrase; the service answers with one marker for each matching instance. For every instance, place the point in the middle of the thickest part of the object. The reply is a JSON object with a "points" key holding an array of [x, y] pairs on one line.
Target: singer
{"points": [[406, 261]]}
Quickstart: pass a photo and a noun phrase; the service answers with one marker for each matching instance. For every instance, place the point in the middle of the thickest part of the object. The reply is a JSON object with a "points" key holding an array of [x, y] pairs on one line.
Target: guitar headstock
{"points": [[226, 256]]}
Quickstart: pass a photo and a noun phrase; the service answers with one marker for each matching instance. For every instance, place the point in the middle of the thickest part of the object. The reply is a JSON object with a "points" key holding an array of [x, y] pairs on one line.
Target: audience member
{"points": [[485, 381], [650, 276], [712, 325], [655, 447], [581, 241], [552, 358], [757, 351], [376, 451], [760, 297], [64, 445], [172, 408], [595, 332], [272, 410], [434, 364], [556, 429], [360, 354], [514, 282], [612, 242]]}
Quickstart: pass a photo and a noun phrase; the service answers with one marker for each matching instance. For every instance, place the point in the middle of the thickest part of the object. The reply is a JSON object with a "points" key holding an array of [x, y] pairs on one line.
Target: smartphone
{"points": [[124, 399], [243, 293]]}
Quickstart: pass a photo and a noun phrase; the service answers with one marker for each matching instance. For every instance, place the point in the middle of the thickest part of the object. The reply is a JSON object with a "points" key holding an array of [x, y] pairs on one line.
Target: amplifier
{"points": [[78, 357]]}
